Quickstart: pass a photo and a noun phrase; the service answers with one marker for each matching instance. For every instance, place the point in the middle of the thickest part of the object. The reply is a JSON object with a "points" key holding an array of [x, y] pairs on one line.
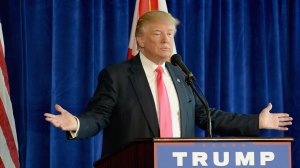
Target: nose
{"points": [[165, 38]]}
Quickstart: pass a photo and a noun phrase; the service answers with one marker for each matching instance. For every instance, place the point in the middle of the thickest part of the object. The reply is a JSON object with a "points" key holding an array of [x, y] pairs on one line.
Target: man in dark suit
{"points": [[127, 103]]}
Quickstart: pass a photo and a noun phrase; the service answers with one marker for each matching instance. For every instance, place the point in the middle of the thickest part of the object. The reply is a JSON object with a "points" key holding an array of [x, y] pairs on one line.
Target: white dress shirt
{"points": [[149, 68]]}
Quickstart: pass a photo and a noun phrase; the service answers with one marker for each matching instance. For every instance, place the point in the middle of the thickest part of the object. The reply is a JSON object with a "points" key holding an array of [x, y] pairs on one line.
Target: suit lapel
{"points": [[144, 94]]}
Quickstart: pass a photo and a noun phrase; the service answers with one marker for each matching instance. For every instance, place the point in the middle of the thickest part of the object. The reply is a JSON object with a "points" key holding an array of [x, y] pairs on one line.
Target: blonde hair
{"points": [[154, 16]]}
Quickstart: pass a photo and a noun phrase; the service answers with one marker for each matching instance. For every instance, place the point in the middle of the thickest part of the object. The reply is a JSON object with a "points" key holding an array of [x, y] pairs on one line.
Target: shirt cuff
{"points": [[74, 134]]}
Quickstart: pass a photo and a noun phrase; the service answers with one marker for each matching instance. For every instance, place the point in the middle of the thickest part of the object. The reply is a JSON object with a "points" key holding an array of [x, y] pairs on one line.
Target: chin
{"points": [[168, 55]]}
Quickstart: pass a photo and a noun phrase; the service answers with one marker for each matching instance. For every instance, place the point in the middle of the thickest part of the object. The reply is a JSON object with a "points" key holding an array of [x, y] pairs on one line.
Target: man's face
{"points": [[157, 41]]}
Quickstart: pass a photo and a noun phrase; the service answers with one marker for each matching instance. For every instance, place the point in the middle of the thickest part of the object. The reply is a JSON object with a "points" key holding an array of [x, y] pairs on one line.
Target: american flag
{"points": [[141, 7], [8, 138]]}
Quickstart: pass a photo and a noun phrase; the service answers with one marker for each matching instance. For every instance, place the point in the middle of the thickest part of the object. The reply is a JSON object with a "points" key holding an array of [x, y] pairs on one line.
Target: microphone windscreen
{"points": [[175, 59]]}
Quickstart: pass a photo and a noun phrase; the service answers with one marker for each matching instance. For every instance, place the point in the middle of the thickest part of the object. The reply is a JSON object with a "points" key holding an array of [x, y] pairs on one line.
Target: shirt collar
{"points": [[150, 66]]}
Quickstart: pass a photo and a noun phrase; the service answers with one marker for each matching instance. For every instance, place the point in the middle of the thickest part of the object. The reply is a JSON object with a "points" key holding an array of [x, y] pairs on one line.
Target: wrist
{"points": [[76, 125]]}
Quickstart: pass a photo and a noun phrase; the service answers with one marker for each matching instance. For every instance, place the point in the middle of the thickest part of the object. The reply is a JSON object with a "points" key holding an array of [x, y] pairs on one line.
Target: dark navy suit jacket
{"points": [[123, 106]]}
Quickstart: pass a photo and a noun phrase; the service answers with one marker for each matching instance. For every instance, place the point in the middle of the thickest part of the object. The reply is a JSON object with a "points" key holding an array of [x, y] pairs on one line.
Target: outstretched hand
{"points": [[65, 120], [276, 121]]}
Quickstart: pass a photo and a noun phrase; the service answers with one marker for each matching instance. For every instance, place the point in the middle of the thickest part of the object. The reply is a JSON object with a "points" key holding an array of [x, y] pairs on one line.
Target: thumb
{"points": [[269, 107], [59, 109]]}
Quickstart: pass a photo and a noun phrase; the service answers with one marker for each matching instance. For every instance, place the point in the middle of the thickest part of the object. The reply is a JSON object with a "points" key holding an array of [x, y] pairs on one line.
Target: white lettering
{"points": [[217, 159], [266, 157], [242, 160], [222, 159], [179, 156], [199, 157]]}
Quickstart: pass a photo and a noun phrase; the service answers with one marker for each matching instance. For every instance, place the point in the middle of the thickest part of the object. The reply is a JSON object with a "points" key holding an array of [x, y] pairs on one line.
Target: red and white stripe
{"points": [[9, 156], [141, 7]]}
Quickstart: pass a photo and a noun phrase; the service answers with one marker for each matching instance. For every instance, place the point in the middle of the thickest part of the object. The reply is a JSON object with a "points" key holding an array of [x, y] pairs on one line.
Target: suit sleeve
{"points": [[227, 123], [98, 113]]}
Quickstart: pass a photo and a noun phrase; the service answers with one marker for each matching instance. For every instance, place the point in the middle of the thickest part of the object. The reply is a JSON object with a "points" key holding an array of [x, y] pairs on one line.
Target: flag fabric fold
{"points": [[9, 156]]}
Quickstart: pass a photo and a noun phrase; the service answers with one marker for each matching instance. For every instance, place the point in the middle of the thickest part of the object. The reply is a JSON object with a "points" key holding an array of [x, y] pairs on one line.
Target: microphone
{"points": [[177, 61]]}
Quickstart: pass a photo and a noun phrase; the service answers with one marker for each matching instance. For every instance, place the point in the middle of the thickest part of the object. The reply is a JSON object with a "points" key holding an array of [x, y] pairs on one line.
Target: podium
{"points": [[202, 152]]}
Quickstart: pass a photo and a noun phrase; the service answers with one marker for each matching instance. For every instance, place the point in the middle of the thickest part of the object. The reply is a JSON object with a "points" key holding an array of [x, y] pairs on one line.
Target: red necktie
{"points": [[165, 119]]}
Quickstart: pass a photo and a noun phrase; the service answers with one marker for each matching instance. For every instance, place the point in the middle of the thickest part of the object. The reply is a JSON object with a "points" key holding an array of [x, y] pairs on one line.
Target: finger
{"points": [[59, 109], [53, 122], [269, 107], [285, 119], [282, 124], [49, 115], [282, 129], [48, 119], [283, 115]]}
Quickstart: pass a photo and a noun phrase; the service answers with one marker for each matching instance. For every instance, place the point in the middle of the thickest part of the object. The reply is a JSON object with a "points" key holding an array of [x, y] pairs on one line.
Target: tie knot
{"points": [[159, 69]]}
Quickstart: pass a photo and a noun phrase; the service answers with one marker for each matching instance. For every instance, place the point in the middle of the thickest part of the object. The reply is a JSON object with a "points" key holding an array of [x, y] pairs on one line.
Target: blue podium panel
{"points": [[213, 154]]}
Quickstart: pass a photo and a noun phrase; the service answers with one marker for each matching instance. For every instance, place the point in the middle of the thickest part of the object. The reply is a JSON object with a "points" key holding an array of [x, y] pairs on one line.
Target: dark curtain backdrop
{"points": [[245, 53]]}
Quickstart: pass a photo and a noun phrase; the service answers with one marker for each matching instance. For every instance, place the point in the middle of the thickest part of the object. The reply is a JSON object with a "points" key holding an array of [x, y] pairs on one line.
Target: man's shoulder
{"points": [[123, 65], [122, 68]]}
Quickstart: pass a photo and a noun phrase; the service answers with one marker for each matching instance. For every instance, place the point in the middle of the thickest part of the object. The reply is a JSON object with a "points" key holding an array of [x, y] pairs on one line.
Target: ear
{"points": [[140, 41]]}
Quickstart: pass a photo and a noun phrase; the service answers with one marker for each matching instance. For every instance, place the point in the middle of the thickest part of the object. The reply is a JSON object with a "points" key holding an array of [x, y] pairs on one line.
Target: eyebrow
{"points": [[161, 30]]}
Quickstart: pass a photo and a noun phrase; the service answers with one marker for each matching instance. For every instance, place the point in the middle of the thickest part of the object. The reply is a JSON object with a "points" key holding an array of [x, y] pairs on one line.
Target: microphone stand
{"points": [[188, 80]]}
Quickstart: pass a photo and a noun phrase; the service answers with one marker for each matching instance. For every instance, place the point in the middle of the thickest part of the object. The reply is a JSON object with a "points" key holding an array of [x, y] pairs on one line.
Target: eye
{"points": [[157, 33]]}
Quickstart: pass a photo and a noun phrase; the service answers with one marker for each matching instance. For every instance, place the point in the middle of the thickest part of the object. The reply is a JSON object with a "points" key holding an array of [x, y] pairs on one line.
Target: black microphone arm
{"points": [[177, 61]]}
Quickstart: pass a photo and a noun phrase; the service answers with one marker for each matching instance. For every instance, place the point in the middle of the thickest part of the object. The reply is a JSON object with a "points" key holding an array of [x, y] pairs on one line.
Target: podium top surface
{"points": [[227, 139]]}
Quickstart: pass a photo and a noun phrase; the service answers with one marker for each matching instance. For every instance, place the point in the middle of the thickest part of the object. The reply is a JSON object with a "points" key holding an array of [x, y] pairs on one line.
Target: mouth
{"points": [[165, 49]]}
